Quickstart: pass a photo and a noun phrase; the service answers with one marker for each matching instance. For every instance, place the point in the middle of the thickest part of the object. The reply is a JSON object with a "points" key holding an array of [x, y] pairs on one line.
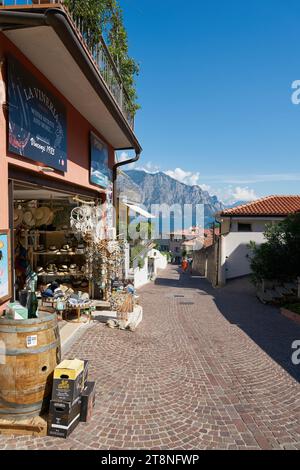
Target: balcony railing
{"points": [[99, 54]]}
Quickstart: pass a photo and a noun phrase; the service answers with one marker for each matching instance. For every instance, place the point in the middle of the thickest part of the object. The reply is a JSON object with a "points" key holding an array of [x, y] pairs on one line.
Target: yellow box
{"points": [[69, 369]]}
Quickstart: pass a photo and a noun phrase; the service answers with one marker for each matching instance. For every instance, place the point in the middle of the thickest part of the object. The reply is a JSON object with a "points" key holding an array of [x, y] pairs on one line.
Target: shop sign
{"points": [[37, 119], [100, 173]]}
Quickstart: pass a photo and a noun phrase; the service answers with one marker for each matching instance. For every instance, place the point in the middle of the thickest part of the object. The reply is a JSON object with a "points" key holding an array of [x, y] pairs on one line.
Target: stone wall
{"points": [[205, 263]]}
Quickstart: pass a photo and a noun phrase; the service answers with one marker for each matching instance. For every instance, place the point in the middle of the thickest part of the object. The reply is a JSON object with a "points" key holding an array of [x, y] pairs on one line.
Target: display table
{"points": [[67, 309], [79, 310]]}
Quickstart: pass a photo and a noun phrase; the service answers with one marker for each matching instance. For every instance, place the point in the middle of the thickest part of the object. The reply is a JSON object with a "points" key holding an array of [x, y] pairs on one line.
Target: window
{"points": [[244, 227]]}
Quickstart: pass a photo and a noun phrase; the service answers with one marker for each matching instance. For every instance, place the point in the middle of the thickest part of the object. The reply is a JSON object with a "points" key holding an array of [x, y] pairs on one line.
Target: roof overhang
{"points": [[255, 217], [50, 42]]}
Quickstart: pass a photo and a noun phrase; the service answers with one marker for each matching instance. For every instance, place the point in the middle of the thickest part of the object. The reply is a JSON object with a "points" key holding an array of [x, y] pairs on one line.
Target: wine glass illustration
{"points": [[19, 115]]}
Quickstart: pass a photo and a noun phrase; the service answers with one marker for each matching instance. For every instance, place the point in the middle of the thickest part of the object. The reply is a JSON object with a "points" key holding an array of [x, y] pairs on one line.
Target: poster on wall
{"points": [[37, 119], [5, 269], [100, 173]]}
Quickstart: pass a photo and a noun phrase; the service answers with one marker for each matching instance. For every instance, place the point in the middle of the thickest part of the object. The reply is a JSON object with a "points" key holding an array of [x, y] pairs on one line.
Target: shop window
{"points": [[244, 227]]}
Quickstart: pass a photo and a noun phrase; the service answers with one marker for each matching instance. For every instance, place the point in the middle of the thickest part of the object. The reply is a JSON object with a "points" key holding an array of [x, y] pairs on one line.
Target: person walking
{"points": [[184, 265]]}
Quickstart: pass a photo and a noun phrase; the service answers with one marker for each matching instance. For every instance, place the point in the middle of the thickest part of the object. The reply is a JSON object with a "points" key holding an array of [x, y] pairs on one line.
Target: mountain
{"points": [[126, 187], [159, 188]]}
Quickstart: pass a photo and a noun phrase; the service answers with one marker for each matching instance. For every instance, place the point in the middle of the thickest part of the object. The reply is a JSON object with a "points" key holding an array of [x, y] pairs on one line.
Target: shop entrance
{"points": [[44, 245]]}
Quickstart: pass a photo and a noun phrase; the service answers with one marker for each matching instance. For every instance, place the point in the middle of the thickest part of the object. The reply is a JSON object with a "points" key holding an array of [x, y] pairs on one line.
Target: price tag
{"points": [[31, 341]]}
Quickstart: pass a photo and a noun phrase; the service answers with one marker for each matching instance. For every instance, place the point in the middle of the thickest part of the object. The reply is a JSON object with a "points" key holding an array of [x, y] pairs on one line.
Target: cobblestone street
{"points": [[206, 369]]}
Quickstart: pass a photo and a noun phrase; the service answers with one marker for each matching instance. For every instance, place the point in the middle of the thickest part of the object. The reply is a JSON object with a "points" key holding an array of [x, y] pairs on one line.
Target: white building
{"points": [[229, 256], [152, 262], [181, 241], [243, 224]]}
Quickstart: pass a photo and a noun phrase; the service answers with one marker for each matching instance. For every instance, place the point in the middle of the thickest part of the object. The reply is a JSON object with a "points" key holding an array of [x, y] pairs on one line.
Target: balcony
{"points": [[99, 54]]}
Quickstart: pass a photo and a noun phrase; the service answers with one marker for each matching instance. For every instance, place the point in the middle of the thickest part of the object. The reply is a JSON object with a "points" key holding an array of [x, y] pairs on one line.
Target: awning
{"points": [[139, 210]]}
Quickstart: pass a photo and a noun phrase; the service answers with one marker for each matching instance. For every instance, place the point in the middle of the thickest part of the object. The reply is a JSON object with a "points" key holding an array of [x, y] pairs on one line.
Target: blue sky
{"points": [[215, 90]]}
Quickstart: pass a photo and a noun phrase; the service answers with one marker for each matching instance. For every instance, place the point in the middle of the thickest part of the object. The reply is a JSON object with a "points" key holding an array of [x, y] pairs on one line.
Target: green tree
{"points": [[105, 17], [118, 47], [279, 257]]}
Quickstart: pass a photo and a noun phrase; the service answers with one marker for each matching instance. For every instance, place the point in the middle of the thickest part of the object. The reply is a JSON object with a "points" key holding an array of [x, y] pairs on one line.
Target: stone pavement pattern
{"points": [[195, 375]]}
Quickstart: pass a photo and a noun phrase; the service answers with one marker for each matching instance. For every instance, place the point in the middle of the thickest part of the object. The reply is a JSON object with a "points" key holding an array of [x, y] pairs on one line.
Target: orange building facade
{"points": [[51, 51]]}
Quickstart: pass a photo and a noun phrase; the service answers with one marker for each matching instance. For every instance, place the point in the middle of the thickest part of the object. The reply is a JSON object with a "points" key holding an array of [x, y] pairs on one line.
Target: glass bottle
{"points": [[32, 304]]}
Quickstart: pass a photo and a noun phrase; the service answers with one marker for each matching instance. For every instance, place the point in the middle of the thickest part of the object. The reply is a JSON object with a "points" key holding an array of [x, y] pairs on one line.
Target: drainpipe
{"points": [[115, 174]]}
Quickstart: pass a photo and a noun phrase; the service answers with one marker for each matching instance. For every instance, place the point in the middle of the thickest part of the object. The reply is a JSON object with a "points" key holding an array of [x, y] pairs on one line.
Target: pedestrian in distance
{"points": [[184, 265]]}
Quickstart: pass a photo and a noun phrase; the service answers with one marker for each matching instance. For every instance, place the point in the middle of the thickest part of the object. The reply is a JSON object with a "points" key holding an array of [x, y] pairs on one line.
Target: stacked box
{"points": [[68, 380], [85, 372], [65, 407], [63, 417], [88, 397]]}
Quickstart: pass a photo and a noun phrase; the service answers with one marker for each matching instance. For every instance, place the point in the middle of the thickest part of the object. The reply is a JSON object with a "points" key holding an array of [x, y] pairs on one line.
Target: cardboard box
{"points": [[88, 397], [63, 417], [85, 371], [16, 311], [68, 380]]}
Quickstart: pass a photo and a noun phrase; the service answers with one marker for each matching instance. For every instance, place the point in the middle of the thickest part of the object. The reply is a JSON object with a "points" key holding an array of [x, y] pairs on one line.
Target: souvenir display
{"points": [[18, 217], [105, 264], [88, 221], [31, 216], [78, 249]]}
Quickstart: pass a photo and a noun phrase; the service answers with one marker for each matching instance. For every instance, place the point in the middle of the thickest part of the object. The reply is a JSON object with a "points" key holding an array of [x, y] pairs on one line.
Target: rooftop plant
{"points": [[105, 18]]}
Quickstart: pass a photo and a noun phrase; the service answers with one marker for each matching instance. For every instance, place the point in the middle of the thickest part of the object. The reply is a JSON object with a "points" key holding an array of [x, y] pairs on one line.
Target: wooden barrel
{"points": [[31, 352]]}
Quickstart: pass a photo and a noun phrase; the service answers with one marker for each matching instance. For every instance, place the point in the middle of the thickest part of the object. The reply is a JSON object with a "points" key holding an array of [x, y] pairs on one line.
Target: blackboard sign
{"points": [[37, 119], [100, 173]]}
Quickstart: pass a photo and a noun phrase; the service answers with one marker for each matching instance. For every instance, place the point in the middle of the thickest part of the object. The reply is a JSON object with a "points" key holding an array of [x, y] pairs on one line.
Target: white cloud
{"points": [[131, 166], [122, 157], [148, 168], [151, 167], [230, 194], [205, 187], [186, 177], [244, 194], [252, 178]]}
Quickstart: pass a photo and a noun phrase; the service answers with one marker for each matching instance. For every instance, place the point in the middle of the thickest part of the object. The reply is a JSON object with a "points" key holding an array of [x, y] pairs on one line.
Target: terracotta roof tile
{"points": [[267, 206]]}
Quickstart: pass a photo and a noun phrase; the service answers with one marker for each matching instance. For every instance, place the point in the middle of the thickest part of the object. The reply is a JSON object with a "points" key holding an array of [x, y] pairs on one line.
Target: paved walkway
{"points": [[206, 369]]}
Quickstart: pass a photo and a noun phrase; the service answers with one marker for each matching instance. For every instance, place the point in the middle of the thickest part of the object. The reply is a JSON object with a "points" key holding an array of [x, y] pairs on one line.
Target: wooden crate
{"points": [[35, 426]]}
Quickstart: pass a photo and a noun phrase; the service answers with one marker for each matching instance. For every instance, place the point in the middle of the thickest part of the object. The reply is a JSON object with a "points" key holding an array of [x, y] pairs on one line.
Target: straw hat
{"points": [[50, 218], [18, 217], [39, 214], [28, 218], [43, 215]]}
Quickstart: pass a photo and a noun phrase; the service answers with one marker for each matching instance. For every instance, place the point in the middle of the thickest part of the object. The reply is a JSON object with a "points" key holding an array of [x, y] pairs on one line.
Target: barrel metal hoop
{"points": [[21, 352], [4, 329], [31, 321], [20, 408]]}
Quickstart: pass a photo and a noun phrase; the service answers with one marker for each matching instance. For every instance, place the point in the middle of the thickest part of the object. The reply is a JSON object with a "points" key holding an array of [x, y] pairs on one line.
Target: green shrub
{"points": [[279, 257], [141, 263]]}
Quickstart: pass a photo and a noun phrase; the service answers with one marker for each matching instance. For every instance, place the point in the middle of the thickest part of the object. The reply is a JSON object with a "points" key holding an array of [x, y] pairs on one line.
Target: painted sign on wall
{"points": [[100, 173], [37, 119]]}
